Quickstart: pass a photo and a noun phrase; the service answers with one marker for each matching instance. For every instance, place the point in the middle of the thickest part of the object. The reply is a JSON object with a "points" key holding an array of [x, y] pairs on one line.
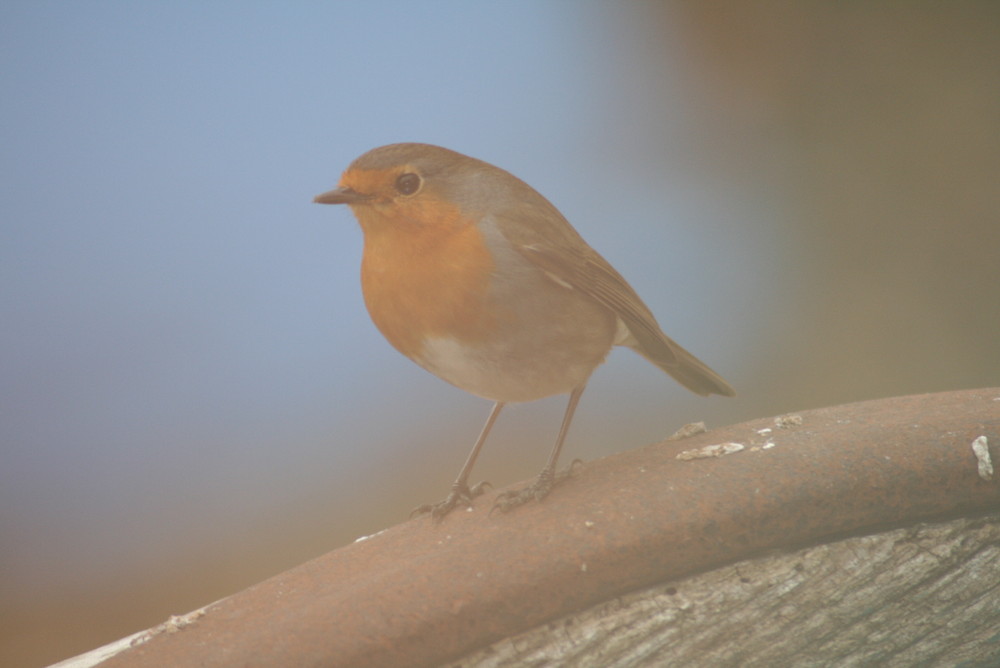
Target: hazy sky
{"points": [[192, 396], [183, 346]]}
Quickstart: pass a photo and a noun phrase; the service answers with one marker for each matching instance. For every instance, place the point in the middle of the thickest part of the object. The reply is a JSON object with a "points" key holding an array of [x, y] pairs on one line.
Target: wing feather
{"points": [[560, 251]]}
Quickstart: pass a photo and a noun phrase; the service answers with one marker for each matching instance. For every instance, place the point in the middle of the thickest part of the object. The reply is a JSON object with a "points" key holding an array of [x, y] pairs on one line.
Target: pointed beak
{"points": [[341, 195]]}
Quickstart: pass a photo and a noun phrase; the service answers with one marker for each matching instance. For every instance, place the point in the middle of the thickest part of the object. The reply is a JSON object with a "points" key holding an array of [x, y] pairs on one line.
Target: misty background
{"points": [[192, 396]]}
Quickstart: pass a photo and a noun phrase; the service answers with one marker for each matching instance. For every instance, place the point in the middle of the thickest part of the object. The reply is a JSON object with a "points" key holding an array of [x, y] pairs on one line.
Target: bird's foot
{"points": [[537, 490], [460, 495]]}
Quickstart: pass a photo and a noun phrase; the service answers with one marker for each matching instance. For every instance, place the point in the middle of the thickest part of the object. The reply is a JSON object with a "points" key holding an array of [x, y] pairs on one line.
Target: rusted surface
{"points": [[423, 592]]}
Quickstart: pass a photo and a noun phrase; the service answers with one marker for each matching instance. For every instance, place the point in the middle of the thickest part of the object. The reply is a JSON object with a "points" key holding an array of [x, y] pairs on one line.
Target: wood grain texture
{"points": [[923, 595]]}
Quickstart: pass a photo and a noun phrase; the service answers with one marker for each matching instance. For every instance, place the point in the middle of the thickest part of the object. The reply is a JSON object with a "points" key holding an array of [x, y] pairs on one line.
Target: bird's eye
{"points": [[408, 183]]}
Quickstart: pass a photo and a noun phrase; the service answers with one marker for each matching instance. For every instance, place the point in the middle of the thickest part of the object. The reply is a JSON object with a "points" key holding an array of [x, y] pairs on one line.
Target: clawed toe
{"points": [[569, 471], [461, 495], [478, 489], [518, 497], [536, 491]]}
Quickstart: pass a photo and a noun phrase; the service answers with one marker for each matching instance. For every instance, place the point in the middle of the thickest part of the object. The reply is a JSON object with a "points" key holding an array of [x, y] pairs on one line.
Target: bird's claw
{"points": [[460, 495], [537, 490]]}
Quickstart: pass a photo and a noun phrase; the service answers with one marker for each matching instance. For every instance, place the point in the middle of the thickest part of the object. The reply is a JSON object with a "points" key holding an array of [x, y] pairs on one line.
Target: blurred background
{"points": [[192, 396]]}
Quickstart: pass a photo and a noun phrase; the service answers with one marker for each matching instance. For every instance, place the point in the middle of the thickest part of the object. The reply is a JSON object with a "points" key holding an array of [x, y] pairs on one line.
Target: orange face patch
{"points": [[425, 270], [377, 182]]}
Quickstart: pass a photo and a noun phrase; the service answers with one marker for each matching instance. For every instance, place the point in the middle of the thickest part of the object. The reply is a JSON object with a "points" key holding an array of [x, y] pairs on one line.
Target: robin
{"points": [[476, 277]]}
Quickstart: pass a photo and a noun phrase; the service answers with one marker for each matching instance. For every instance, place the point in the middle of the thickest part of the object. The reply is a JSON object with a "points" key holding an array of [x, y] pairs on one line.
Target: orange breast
{"points": [[425, 273]]}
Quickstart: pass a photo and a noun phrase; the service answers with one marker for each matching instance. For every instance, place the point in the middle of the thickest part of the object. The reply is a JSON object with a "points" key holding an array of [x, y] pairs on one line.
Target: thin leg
{"points": [[462, 480], [547, 478], [460, 491], [574, 399]]}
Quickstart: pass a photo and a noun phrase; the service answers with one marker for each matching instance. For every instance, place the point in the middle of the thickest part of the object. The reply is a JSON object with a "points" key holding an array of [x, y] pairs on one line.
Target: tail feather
{"points": [[684, 367]]}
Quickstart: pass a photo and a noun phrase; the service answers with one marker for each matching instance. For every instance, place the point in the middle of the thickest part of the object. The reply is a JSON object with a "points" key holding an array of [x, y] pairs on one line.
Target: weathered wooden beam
{"points": [[423, 593]]}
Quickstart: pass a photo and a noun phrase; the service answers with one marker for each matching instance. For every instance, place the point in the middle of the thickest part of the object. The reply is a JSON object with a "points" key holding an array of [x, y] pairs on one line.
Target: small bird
{"points": [[476, 277]]}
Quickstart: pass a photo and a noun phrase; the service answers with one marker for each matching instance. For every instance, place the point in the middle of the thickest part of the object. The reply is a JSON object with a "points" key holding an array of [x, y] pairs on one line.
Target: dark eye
{"points": [[408, 183]]}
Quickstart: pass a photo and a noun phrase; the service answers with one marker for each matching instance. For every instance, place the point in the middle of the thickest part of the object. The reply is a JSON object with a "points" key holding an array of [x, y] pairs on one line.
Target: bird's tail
{"points": [[684, 367]]}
